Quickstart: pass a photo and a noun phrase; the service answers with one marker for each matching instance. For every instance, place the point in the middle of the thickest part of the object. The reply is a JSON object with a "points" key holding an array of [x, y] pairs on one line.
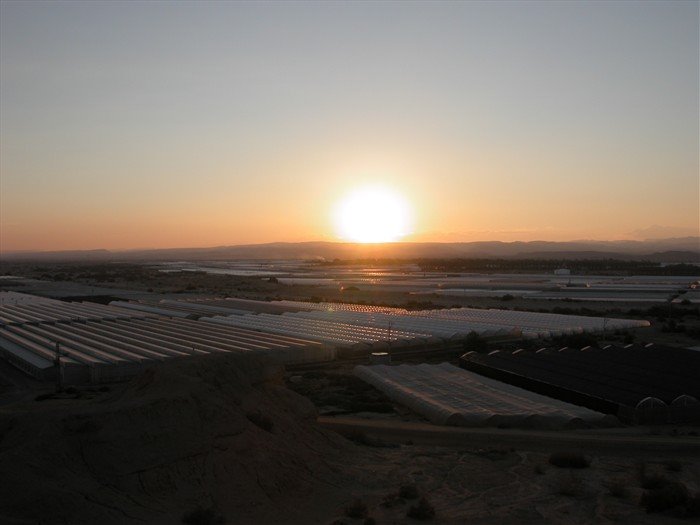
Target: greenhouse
{"points": [[448, 395], [100, 343], [626, 381]]}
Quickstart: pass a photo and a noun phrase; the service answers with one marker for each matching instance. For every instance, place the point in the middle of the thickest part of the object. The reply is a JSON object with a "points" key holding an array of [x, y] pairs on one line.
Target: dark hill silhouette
{"points": [[685, 249]]}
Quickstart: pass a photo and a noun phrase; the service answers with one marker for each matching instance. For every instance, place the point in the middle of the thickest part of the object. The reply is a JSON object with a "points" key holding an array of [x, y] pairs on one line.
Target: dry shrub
{"points": [[569, 460], [357, 509], [260, 420], [423, 510], [672, 494], [673, 465], [360, 438], [618, 488], [568, 486], [409, 492], [202, 516], [392, 500], [693, 507], [651, 480]]}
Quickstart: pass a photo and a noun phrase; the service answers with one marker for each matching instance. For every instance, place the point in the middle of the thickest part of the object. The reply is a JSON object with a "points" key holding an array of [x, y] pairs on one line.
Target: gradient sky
{"points": [[162, 124]]}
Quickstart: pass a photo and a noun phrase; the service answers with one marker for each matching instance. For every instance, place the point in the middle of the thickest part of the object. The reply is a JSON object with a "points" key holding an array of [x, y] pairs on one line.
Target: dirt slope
{"points": [[220, 431]]}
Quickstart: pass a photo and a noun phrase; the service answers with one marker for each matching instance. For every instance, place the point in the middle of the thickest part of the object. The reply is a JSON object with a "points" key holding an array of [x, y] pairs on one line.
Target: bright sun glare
{"points": [[373, 214]]}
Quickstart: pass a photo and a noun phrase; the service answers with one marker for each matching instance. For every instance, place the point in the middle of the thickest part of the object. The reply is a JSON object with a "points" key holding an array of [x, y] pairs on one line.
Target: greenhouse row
{"points": [[339, 307], [543, 324], [616, 380], [447, 395], [100, 343], [460, 321], [437, 327], [49, 310], [445, 323], [333, 332], [194, 307]]}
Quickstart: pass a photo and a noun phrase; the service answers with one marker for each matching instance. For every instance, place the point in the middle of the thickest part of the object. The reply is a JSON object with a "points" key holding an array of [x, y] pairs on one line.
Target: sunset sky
{"points": [[158, 124]]}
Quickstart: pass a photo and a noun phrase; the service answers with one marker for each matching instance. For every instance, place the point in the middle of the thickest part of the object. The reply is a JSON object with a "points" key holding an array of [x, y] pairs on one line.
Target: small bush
{"points": [[408, 492], [568, 486], [569, 460], [43, 397], [653, 481], [357, 509], [392, 500], [670, 495], [87, 427], [673, 465], [693, 507], [360, 438], [260, 420], [495, 454], [650, 480], [617, 488], [202, 516], [422, 511]]}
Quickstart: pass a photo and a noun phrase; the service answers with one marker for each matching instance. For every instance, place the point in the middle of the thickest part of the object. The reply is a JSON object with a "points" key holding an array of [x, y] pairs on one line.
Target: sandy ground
{"points": [[505, 485], [224, 433]]}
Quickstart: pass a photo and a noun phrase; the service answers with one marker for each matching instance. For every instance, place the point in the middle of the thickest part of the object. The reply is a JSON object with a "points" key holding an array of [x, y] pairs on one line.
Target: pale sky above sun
{"points": [[172, 124]]}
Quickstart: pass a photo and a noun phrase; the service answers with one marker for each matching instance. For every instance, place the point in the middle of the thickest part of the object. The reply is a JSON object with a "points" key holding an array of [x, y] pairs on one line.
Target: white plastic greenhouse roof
{"points": [[448, 395], [49, 310], [458, 322], [142, 340], [108, 343], [443, 328], [7, 297], [533, 321], [340, 307], [333, 332]]}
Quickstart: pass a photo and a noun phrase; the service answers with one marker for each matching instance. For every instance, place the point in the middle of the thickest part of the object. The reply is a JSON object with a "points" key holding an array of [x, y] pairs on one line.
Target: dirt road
{"points": [[629, 441]]}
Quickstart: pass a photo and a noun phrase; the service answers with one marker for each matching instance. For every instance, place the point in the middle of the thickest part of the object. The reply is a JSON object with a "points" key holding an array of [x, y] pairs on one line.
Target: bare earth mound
{"points": [[218, 432]]}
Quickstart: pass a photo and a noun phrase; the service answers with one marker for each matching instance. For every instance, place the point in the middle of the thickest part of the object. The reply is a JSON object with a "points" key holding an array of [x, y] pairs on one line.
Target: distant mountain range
{"points": [[676, 250]]}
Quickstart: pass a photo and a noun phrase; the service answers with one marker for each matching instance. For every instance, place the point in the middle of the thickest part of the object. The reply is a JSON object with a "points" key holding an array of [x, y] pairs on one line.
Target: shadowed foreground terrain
{"points": [[212, 432], [223, 435]]}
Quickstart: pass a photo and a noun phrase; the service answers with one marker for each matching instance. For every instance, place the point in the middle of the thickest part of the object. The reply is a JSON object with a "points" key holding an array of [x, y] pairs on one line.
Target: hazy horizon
{"points": [[667, 244], [144, 125]]}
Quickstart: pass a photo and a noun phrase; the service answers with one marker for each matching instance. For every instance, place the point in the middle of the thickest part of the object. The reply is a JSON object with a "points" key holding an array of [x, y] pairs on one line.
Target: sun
{"points": [[373, 214]]}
